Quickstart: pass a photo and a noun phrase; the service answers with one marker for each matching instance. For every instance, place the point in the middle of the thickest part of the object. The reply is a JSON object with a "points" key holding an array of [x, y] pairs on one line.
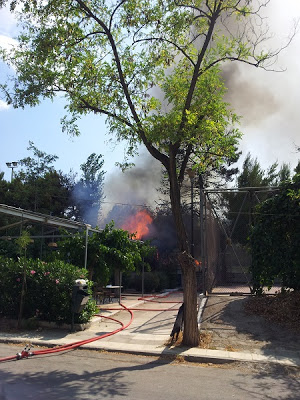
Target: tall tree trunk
{"points": [[190, 335]]}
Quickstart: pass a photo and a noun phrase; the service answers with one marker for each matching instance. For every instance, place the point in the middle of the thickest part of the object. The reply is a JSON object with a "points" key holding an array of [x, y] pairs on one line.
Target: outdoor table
{"points": [[111, 291]]}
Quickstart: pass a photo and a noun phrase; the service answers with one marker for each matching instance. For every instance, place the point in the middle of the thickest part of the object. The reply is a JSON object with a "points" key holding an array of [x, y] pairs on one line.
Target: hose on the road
{"points": [[25, 353]]}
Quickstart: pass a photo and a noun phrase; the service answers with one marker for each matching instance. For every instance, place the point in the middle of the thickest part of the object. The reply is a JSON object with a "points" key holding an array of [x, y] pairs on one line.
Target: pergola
{"points": [[44, 220]]}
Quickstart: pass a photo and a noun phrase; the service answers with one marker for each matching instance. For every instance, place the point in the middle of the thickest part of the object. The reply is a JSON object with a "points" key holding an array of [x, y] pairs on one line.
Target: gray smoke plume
{"points": [[135, 188], [268, 101], [249, 97]]}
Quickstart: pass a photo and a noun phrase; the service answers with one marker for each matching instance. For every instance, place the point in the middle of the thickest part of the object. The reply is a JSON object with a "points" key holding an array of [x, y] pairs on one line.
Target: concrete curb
{"points": [[157, 350], [192, 354]]}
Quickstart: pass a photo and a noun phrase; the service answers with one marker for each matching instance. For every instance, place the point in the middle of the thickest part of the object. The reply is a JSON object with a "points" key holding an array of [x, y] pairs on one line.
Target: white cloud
{"points": [[3, 105], [6, 42], [8, 23]]}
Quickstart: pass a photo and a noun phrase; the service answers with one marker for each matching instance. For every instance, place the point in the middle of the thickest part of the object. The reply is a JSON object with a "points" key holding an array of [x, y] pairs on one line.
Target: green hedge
{"points": [[275, 239], [48, 290], [154, 281]]}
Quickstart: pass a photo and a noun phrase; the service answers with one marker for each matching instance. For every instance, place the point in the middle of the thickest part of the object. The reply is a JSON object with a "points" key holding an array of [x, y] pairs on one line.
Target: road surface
{"points": [[91, 375]]}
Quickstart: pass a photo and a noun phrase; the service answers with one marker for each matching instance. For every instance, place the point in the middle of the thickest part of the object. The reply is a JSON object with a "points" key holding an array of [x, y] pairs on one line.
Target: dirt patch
{"points": [[283, 309], [263, 325], [205, 339], [240, 324]]}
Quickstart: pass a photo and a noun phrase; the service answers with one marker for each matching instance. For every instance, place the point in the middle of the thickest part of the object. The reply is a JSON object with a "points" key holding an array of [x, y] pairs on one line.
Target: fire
{"points": [[138, 224]]}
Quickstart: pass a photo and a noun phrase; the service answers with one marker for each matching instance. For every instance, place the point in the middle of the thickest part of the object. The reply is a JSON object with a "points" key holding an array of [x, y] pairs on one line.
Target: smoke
{"points": [[268, 101], [131, 190], [251, 99], [86, 198]]}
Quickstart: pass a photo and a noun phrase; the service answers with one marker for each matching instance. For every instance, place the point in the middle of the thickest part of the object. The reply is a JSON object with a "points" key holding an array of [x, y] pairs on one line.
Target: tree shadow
{"points": [[272, 381], [158, 320], [54, 377], [89, 382], [230, 323]]}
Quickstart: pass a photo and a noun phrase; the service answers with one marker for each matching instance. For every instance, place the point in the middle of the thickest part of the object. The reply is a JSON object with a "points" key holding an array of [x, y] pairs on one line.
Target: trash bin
{"points": [[80, 296]]}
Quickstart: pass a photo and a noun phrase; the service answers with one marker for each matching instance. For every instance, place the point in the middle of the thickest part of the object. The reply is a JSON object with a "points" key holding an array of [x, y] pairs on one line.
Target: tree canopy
{"points": [[153, 69], [275, 239], [37, 186], [109, 250], [240, 206]]}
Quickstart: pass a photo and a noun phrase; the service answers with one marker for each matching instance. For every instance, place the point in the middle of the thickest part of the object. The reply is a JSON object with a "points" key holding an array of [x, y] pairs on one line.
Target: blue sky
{"points": [[42, 126], [269, 103]]}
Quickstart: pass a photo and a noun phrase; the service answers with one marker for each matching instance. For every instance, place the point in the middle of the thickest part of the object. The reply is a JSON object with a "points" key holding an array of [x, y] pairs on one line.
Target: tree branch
{"points": [[161, 39], [95, 109], [114, 11], [152, 150], [184, 163], [188, 101], [202, 13], [117, 61], [86, 36]]}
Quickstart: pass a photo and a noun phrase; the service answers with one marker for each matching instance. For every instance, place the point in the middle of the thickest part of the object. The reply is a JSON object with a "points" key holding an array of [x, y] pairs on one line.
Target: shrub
{"points": [[275, 239], [164, 281], [48, 290], [154, 281], [151, 282]]}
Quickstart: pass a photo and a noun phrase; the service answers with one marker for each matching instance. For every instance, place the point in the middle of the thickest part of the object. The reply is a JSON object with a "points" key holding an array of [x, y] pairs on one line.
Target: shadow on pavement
{"points": [[111, 376], [48, 377]]}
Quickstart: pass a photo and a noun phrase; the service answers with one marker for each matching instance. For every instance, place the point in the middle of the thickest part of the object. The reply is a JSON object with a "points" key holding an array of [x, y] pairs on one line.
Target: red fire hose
{"points": [[153, 298], [27, 353]]}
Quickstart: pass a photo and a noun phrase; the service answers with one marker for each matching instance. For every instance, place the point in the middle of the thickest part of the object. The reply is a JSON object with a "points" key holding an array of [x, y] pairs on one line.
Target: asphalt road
{"points": [[86, 374]]}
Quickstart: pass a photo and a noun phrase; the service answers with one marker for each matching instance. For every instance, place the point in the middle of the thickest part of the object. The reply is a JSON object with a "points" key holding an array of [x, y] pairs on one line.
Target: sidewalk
{"points": [[148, 334]]}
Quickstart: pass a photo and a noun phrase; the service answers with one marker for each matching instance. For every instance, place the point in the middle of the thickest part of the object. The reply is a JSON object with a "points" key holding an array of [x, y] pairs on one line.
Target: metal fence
{"points": [[227, 218]]}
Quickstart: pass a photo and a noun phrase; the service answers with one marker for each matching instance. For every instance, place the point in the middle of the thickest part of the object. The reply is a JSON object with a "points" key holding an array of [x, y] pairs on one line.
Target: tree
{"points": [[3, 188], [274, 239], [109, 250], [241, 204], [88, 192], [153, 69], [38, 186], [37, 166], [253, 175], [297, 168]]}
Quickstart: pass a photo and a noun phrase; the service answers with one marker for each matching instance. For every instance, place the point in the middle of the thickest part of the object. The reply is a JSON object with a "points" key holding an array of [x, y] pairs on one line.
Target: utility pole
{"points": [[202, 246]]}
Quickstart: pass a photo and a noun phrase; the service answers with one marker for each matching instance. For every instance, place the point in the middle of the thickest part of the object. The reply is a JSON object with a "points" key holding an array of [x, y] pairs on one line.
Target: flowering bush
{"points": [[48, 290]]}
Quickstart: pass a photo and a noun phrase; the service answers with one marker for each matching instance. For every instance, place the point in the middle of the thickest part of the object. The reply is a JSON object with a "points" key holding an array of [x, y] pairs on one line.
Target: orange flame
{"points": [[138, 224]]}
